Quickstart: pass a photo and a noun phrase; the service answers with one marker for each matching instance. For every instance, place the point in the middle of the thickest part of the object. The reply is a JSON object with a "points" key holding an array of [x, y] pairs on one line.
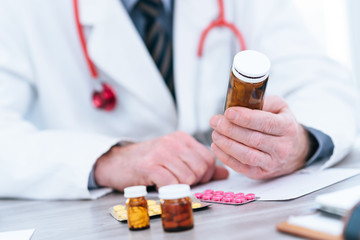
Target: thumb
{"points": [[274, 104], [220, 173]]}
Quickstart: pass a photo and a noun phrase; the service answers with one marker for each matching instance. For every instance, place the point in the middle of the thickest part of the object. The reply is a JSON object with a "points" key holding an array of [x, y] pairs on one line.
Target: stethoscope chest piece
{"points": [[104, 99]]}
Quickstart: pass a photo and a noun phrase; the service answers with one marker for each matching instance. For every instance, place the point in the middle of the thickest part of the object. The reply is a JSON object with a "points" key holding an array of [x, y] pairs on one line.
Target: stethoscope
{"points": [[106, 99]]}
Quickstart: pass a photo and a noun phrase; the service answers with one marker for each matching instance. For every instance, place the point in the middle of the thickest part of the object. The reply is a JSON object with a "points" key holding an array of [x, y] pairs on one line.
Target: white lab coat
{"points": [[51, 135]]}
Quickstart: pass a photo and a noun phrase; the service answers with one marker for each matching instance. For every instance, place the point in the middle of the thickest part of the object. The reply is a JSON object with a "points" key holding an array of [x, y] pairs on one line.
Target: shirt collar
{"points": [[130, 4]]}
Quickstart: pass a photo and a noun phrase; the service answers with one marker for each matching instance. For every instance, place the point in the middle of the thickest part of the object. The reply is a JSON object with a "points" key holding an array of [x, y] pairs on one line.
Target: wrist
{"points": [[100, 170], [306, 146], [103, 168]]}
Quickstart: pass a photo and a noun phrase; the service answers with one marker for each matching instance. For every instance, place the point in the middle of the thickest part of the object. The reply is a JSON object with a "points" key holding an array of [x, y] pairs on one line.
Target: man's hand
{"points": [[171, 159], [260, 144]]}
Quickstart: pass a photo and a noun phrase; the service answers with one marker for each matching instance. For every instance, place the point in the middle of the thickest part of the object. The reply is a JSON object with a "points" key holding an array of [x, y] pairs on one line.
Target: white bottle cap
{"points": [[174, 191], [251, 66], [134, 192]]}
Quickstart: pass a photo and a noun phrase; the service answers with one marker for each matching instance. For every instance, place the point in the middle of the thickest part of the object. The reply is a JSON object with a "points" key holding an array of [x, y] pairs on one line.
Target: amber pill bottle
{"points": [[137, 208], [248, 78], [176, 210]]}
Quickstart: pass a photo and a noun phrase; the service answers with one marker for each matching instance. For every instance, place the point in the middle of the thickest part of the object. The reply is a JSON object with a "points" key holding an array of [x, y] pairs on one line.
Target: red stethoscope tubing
{"points": [[80, 31], [107, 90], [220, 22], [104, 99]]}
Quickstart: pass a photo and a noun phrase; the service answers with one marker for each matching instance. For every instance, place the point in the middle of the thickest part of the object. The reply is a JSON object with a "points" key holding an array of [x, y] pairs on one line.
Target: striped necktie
{"points": [[158, 40]]}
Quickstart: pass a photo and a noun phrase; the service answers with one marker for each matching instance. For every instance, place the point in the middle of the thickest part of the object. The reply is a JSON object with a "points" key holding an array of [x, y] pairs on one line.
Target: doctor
{"points": [[84, 102]]}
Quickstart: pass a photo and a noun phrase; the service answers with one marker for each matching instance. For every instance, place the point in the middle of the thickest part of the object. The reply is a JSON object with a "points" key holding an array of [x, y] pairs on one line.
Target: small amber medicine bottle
{"points": [[248, 79], [137, 209], [176, 209]]}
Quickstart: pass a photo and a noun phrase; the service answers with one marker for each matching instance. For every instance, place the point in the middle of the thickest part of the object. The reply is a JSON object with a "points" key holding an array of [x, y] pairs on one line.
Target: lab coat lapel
{"points": [[117, 49], [190, 19]]}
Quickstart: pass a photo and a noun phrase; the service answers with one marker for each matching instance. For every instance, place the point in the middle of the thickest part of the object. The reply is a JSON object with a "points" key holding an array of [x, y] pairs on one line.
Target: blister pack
{"points": [[230, 198]]}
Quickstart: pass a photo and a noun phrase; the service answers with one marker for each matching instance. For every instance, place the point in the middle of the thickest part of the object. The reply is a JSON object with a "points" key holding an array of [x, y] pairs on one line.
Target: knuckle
{"points": [[208, 158], [205, 155], [211, 160], [152, 174], [186, 138], [253, 173], [175, 136], [246, 119], [228, 145], [216, 150], [290, 125], [262, 174], [256, 139], [170, 143], [258, 176], [151, 162], [175, 148], [225, 127], [201, 170], [270, 124], [178, 134], [221, 155], [226, 159], [271, 168], [252, 157], [280, 101], [277, 98], [164, 140], [147, 165]]}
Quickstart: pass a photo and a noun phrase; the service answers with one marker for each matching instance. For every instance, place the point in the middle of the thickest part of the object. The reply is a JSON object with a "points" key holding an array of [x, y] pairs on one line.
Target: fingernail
{"points": [[214, 121], [231, 114]]}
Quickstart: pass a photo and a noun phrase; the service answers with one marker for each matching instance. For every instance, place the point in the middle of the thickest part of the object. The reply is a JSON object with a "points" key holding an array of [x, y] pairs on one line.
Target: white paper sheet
{"points": [[283, 188], [17, 235], [319, 222], [339, 202]]}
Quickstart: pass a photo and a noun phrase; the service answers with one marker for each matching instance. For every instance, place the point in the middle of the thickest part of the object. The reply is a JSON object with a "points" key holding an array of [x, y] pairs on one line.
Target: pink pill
{"points": [[229, 193], [250, 196], [239, 195], [198, 195], [219, 193], [207, 197], [228, 199], [240, 200], [209, 191], [218, 198]]}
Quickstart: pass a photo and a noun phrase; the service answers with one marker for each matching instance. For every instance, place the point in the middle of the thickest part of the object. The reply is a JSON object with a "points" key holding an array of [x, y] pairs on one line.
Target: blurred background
{"points": [[335, 23]]}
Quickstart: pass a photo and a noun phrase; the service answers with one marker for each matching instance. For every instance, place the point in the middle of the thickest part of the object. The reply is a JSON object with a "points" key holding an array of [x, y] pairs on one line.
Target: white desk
{"points": [[90, 219]]}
